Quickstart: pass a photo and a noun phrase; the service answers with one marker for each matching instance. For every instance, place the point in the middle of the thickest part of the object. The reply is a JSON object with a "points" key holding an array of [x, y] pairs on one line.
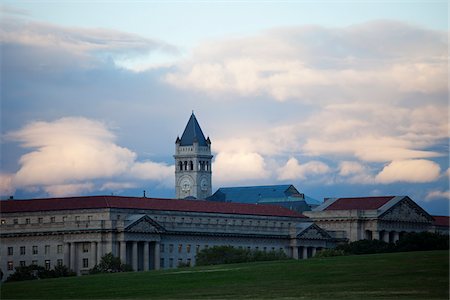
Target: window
{"points": [[64, 218], [85, 263], [189, 262], [40, 220], [47, 249], [10, 250], [16, 221], [197, 248], [161, 263], [27, 221], [34, 262], [90, 218], [170, 248], [59, 249], [180, 261], [47, 264], [52, 220], [188, 248], [22, 250], [206, 246], [85, 247], [161, 248], [10, 266], [77, 218], [22, 263], [59, 262], [35, 249], [180, 248], [265, 249], [170, 262]]}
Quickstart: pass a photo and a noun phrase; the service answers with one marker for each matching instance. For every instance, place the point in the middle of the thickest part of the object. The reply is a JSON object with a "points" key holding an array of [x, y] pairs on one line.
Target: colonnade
{"points": [[304, 252], [141, 260], [384, 235]]}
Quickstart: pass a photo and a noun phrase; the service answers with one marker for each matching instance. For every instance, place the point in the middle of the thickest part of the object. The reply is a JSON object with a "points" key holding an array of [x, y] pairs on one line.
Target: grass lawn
{"points": [[412, 275]]}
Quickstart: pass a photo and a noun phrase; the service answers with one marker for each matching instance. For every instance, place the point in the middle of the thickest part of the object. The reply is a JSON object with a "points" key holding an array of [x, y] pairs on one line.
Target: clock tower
{"points": [[193, 163]]}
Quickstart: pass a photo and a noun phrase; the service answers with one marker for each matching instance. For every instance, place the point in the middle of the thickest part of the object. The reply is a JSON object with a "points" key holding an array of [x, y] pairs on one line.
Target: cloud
{"points": [[70, 153], [314, 64], [6, 184], [293, 170], [414, 171], [233, 167], [436, 195], [87, 46]]}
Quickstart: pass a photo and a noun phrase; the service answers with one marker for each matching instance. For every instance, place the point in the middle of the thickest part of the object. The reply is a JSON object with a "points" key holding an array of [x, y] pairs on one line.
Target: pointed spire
{"points": [[193, 133]]}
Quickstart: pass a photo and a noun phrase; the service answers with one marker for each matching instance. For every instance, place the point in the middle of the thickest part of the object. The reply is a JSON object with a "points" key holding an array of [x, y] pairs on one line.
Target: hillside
{"points": [[413, 275]]}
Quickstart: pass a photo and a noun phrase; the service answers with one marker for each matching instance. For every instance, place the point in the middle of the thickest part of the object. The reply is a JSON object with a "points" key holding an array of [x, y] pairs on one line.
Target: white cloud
{"points": [[6, 184], [293, 170], [87, 46], [437, 194], [72, 152], [418, 171], [232, 167], [321, 65], [355, 173], [71, 189]]}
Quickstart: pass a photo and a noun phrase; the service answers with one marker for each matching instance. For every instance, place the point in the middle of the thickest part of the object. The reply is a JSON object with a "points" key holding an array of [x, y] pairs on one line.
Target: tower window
{"points": [[191, 165], [185, 165], [181, 165]]}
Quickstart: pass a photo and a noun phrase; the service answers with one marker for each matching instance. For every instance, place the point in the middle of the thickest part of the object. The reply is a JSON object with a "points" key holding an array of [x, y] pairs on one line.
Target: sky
{"points": [[338, 98]]}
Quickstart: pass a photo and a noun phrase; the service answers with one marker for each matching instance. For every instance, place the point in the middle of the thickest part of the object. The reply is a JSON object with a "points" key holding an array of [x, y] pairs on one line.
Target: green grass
{"points": [[413, 275]]}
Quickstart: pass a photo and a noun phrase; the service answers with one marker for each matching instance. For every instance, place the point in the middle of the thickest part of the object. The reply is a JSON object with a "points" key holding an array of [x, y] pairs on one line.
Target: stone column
{"points": [[314, 249], [157, 258], [396, 236], [134, 256], [375, 235], [305, 252], [146, 254], [67, 254], [94, 253], [73, 257], [386, 236], [295, 252], [99, 252], [123, 252]]}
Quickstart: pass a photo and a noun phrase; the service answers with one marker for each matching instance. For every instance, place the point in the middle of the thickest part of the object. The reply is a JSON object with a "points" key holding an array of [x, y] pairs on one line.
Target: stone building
{"points": [[145, 233], [193, 163], [384, 218]]}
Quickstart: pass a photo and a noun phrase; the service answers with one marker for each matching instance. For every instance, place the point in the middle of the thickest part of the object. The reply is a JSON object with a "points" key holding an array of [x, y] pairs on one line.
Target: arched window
{"points": [[191, 165], [180, 164], [207, 166], [185, 165]]}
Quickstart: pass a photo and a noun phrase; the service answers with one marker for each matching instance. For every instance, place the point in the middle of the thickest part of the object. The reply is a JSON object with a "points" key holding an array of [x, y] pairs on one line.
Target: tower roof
{"points": [[193, 133]]}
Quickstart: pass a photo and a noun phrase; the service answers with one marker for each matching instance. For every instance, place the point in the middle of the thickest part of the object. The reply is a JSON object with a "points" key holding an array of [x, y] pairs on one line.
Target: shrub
{"points": [[38, 272], [422, 241], [228, 254], [110, 264], [366, 247], [330, 253]]}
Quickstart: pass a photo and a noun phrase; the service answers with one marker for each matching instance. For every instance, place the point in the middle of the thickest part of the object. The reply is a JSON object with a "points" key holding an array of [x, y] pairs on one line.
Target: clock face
{"points": [[204, 184], [186, 185]]}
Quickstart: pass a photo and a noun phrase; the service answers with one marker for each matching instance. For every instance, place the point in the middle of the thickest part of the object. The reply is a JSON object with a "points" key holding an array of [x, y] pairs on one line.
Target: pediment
{"points": [[313, 232], [145, 224], [406, 211]]}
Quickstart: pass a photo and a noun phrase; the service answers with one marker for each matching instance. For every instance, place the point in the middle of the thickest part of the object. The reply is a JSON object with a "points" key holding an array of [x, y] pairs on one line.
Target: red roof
{"points": [[359, 203], [87, 202], [441, 221]]}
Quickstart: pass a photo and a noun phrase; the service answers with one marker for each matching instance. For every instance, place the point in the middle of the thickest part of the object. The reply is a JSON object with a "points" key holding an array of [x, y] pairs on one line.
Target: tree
{"points": [[110, 264]]}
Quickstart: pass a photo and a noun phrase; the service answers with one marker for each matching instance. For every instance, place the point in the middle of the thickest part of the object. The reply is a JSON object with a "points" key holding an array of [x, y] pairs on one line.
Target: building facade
{"points": [[145, 233], [381, 218], [193, 163]]}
